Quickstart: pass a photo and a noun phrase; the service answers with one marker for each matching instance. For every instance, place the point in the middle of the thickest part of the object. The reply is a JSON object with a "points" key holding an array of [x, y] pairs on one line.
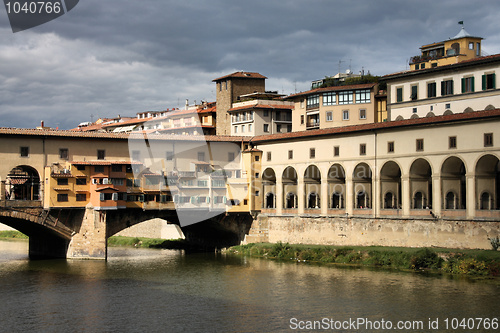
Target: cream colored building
{"points": [[445, 166], [335, 106]]}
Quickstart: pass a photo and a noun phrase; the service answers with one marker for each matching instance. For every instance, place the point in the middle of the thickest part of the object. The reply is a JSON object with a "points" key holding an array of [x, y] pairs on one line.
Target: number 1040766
{"points": [[33, 7]]}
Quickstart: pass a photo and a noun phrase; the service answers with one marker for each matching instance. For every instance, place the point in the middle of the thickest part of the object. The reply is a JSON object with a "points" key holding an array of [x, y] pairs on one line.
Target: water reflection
{"points": [[163, 290]]}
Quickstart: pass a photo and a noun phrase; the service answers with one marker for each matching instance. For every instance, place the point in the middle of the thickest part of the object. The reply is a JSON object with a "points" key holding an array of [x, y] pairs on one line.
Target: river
{"points": [[146, 290]]}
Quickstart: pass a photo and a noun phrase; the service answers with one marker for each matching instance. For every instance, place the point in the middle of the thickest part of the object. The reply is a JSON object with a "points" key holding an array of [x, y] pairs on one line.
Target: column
{"points": [[300, 194], [349, 195], [405, 196], [436, 195], [376, 196], [470, 193], [324, 196], [279, 196]]}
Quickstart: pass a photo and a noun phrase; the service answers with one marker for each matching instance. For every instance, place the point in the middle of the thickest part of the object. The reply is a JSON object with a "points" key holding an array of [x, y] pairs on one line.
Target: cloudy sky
{"points": [[105, 58]]}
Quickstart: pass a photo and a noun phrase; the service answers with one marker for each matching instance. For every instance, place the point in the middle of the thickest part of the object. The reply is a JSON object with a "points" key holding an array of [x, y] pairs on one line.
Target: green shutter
{"points": [[494, 81], [463, 85], [484, 82], [472, 83]]}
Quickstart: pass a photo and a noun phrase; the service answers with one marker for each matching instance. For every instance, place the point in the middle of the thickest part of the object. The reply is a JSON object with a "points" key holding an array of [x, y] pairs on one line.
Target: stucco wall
{"points": [[385, 232]]}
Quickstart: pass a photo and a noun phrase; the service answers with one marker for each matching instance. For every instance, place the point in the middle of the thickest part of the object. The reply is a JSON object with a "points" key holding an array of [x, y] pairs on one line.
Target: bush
{"points": [[425, 258], [495, 243]]}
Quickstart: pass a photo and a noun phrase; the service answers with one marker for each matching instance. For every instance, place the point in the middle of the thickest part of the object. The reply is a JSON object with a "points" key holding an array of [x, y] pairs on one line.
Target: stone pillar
{"points": [[470, 192], [279, 196], [2, 190], [90, 241], [349, 194], [324, 196], [436, 195], [300, 195], [377, 200], [405, 196]]}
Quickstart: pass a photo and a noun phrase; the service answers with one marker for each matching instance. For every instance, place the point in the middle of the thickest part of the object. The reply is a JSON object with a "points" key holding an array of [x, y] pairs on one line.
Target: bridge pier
{"points": [[43, 246], [89, 242]]}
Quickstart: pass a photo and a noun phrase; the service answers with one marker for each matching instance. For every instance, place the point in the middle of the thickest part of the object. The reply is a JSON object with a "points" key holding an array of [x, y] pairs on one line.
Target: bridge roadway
{"points": [[83, 233]]}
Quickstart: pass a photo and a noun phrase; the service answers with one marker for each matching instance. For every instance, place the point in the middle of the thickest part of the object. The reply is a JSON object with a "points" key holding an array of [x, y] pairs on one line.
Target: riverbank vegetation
{"points": [[152, 243], [453, 261], [12, 234]]}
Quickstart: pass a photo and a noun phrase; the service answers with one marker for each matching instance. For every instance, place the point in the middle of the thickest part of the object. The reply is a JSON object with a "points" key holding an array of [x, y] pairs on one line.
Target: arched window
{"points": [[450, 200], [485, 202], [362, 200], [313, 201], [418, 200], [337, 200], [270, 200], [390, 200], [291, 200]]}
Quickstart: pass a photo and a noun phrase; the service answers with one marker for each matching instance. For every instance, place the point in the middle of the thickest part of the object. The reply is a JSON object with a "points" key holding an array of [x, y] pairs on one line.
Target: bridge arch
{"points": [[23, 183]]}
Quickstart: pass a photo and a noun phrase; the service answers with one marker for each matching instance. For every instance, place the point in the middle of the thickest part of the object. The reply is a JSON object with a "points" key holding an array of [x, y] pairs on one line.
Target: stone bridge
{"points": [[83, 233]]}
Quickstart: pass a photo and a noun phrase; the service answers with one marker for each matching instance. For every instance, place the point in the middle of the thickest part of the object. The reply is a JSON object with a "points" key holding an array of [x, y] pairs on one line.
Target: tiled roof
{"points": [[241, 75], [118, 136], [333, 88], [263, 106], [468, 62], [380, 126]]}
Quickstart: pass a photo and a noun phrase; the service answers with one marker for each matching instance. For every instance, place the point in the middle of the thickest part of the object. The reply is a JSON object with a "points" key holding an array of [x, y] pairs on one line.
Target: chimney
{"points": [[41, 124]]}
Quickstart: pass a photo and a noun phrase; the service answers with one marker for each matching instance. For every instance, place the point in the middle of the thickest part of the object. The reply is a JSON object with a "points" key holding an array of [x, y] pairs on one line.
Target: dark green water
{"points": [[141, 290]]}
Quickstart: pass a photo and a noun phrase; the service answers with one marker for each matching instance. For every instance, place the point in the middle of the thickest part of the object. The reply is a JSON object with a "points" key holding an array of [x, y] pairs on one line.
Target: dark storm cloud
{"points": [[121, 57]]}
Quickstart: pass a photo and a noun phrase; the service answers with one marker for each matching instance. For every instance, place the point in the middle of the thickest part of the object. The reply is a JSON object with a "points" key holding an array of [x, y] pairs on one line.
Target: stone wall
{"points": [[154, 228], [361, 231]]}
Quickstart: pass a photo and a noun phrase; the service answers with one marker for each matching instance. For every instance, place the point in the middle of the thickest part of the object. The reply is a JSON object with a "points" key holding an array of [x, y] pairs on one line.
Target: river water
{"points": [[146, 290]]}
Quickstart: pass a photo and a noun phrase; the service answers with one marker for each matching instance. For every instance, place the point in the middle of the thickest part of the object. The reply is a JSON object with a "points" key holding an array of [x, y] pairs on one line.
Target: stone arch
{"points": [[362, 182], [23, 183], [489, 107], [312, 186], [421, 184], [430, 114], [269, 188], [290, 179], [414, 116], [336, 186], [399, 118], [487, 180], [447, 113], [390, 182], [468, 110], [453, 172], [450, 200]]}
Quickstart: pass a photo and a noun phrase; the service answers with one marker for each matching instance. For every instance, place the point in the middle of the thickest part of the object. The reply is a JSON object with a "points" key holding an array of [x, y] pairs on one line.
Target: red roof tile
{"points": [[241, 75]]}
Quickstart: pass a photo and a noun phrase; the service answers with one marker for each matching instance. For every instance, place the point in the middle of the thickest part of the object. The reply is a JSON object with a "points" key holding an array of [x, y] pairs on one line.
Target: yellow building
{"points": [[459, 48]]}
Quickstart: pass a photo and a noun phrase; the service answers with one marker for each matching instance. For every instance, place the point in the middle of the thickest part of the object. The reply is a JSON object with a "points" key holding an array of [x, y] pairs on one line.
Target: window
{"points": [[312, 153], [242, 128], [452, 142], [420, 144], [390, 147], [268, 155], [62, 197], [399, 94], [170, 155], [363, 96], [201, 156], [62, 181], [422, 66], [478, 49], [116, 168], [431, 89], [336, 150], [80, 167], [24, 151], [101, 154], [488, 139], [81, 181], [290, 154], [230, 157], [249, 127], [257, 158], [278, 128], [362, 149], [345, 97], [414, 93], [329, 99], [136, 155], [447, 87], [362, 114], [467, 84], [266, 128], [235, 129], [471, 45], [312, 102], [99, 168], [257, 175], [288, 128], [63, 153], [447, 106], [302, 119], [345, 115], [81, 197], [489, 81], [266, 113], [329, 116], [302, 104]]}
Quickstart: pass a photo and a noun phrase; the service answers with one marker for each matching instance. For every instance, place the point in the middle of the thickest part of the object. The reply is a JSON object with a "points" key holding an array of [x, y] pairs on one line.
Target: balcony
{"points": [[313, 123]]}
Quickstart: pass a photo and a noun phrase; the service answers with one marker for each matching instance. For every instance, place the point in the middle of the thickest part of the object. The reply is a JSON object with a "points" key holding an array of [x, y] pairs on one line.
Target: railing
{"points": [[312, 123]]}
